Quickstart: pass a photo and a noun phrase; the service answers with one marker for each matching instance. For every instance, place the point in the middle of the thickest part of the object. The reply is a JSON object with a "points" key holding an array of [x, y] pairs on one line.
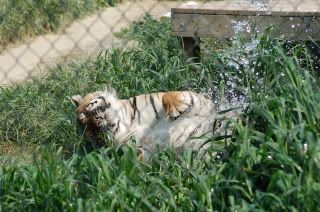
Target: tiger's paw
{"points": [[140, 154], [143, 154]]}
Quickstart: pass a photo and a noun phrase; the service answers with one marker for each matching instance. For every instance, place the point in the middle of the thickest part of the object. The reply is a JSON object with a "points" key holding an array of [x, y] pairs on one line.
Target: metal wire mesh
{"points": [[299, 19]]}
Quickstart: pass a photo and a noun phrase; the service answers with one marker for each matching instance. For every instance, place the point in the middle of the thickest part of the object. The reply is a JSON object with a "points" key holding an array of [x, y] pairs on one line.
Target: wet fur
{"points": [[156, 120]]}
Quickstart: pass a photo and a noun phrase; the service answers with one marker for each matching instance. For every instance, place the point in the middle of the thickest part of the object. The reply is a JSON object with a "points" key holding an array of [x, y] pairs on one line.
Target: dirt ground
{"points": [[84, 37]]}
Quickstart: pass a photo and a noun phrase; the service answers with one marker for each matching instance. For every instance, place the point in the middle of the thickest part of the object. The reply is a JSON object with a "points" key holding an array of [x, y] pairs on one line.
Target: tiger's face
{"points": [[98, 111]]}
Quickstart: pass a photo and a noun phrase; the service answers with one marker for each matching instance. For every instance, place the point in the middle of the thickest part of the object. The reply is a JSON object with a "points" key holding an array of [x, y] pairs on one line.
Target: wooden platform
{"points": [[293, 19]]}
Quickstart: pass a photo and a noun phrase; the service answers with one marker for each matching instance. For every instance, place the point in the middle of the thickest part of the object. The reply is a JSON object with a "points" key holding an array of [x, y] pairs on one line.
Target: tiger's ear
{"points": [[76, 100]]}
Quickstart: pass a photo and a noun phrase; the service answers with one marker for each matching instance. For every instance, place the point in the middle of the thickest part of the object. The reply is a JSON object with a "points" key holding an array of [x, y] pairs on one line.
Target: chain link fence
{"points": [[24, 51], [27, 50]]}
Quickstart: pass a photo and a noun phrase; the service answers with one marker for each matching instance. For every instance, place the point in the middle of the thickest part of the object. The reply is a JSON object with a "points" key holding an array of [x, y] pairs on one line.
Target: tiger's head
{"points": [[98, 112]]}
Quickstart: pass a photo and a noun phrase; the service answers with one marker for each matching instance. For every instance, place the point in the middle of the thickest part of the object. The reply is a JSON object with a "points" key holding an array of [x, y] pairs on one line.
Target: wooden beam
{"points": [[227, 26], [294, 20], [239, 7]]}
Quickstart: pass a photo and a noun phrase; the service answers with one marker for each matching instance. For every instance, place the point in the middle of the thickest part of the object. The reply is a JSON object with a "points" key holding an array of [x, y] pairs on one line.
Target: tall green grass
{"points": [[24, 18], [271, 163], [105, 180]]}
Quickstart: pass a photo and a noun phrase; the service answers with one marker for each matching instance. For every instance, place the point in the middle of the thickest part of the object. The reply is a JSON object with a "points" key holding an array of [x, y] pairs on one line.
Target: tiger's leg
{"points": [[143, 154], [140, 154], [175, 103]]}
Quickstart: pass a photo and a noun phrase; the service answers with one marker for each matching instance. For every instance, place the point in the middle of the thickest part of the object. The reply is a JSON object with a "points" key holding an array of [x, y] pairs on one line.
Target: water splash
{"points": [[241, 26], [245, 26], [262, 5], [241, 61]]}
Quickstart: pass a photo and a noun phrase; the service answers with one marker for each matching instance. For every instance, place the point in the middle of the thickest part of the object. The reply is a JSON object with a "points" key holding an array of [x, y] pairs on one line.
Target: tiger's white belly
{"points": [[185, 132]]}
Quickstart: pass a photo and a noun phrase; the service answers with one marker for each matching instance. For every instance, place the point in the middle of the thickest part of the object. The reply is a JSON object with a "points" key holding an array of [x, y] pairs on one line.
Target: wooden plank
{"points": [[294, 19], [273, 8], [226, 26]]}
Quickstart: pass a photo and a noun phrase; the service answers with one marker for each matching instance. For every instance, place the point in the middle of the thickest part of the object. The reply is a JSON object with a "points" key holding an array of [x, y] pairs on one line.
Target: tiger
{"points": [[155, 120]]}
